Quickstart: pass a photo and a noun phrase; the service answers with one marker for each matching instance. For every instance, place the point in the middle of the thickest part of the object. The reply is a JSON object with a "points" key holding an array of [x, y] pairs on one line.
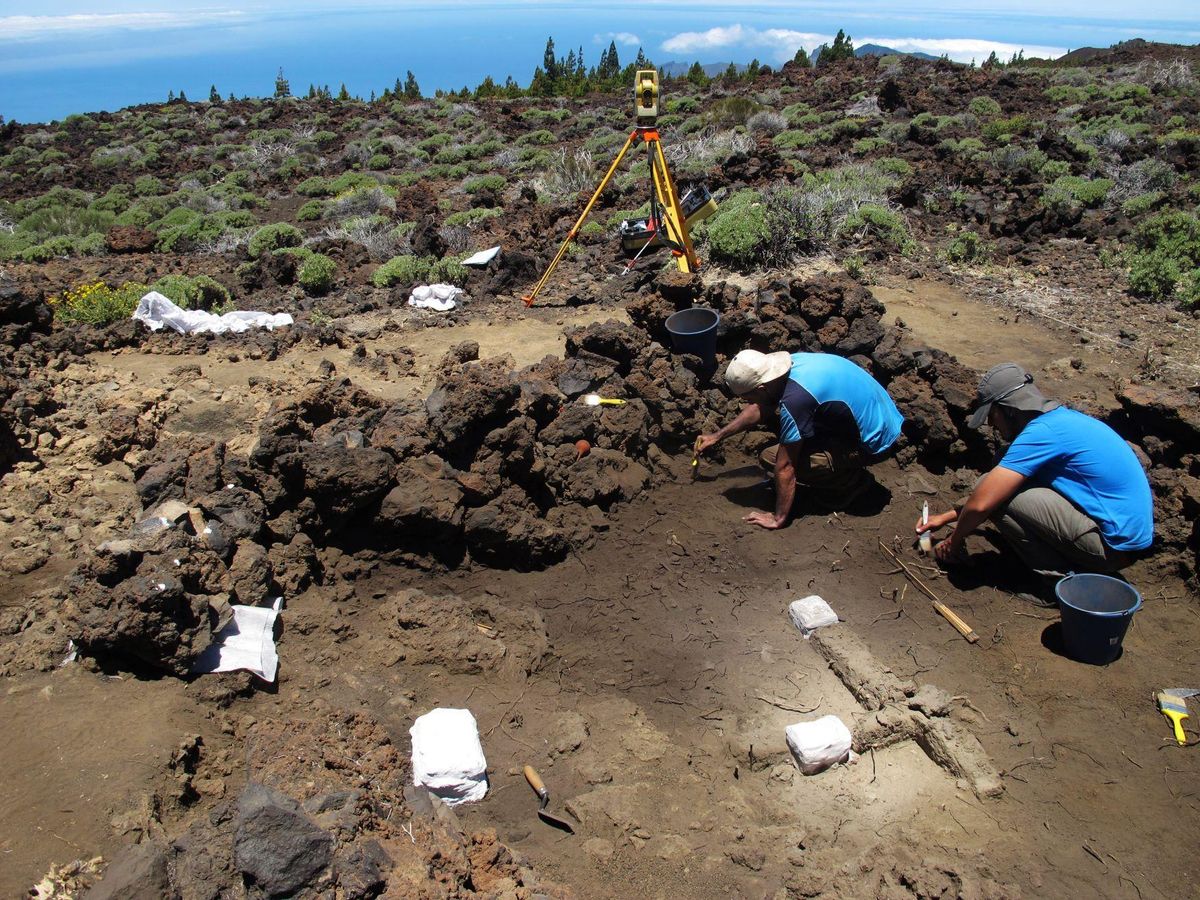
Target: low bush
{"points": [[1165, 260], [471, 217], [193, 292], [541, 137], [737, 234], [402, 271], [96, 303], [448, 271], [273, 237], [1073, 192], [316, 273], [485, 183], [965, 247], [984, 107]]}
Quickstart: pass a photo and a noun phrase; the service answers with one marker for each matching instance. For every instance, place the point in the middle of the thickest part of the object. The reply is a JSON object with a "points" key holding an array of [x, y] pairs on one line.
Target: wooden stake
{"points": [[942, 609]]}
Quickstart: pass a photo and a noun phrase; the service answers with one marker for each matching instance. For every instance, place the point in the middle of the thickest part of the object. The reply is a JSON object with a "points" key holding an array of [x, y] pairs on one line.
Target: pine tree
{"points": [[312, 92], [641, 62], [801, 59], [731, 73], [697, 76], [549, 63], [992, 62], [752, 70], [213, 95], [610, 63], [170, 96], [843, 48], [282, 88], [412, 90], [183, 97], [343, 94]]}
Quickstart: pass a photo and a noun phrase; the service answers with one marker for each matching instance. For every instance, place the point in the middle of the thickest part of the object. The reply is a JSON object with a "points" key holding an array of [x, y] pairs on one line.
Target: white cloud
{"points": [[779, 43], [32, 28], [624, 38], [964, 49]]}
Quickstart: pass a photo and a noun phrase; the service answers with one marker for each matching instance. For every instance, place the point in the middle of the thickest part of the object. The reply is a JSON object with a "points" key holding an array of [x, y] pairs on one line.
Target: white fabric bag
{"points": [[157, 311], [819, 744], [811, 613], [447, 757]]}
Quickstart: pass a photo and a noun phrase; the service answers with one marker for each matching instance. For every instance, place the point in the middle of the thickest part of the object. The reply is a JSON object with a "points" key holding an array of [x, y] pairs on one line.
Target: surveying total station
{"points": [[670, 217]]}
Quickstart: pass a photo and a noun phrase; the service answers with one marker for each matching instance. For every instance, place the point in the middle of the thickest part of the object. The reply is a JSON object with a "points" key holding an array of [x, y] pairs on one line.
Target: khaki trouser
{"points": [[832, 476], [1053, 536]]}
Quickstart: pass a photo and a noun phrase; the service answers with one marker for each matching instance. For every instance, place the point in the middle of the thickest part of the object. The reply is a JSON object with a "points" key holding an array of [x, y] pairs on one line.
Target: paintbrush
{"points": [[1173, 703], [695, 459]]}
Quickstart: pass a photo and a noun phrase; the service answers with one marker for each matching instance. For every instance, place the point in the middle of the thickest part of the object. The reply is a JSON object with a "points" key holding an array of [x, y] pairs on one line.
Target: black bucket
{"points": [[695, 331], [1096, 611]]}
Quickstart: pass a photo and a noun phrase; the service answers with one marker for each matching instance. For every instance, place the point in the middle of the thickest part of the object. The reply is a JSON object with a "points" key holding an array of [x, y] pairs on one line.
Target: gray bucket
{"points": [[1096, 611], [695, 331]]}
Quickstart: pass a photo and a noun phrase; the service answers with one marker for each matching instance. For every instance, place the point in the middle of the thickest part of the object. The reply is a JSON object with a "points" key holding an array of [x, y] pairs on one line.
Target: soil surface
{"points": [[650, 676]]}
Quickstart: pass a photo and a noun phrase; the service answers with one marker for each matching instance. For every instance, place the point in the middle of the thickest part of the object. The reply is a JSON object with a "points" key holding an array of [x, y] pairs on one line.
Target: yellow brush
{"points": [[695, 459], [597, 400], [1173, 703]]}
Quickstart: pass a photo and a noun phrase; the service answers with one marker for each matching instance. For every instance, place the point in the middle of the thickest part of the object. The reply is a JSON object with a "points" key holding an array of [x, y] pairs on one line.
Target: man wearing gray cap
{"points": [[1068, 495], [834, 420]]}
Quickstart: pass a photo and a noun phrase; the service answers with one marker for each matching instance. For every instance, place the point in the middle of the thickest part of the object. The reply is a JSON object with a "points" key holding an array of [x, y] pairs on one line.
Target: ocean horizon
{"points": [[79, 58]]}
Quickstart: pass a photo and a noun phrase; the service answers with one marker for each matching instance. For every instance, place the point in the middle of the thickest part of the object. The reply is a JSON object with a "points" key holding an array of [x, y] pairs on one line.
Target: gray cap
{"points": [[1011, 386]]}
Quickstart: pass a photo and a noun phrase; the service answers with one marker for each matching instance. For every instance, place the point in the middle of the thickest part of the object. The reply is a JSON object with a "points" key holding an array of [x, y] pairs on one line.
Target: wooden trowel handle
{"points": [[535, 781]]}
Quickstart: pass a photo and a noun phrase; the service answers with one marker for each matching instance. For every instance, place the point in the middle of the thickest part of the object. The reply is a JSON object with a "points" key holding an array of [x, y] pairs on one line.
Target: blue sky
{"points": [[79, 56]]}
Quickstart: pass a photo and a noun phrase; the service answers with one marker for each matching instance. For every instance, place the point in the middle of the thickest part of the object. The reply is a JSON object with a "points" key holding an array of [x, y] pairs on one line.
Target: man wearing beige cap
{"points": [[1068, 496], [834, 420]]}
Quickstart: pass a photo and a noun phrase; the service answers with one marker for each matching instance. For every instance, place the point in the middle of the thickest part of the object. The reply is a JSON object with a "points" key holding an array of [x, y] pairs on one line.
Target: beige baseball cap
{"points": [[751, 369]]}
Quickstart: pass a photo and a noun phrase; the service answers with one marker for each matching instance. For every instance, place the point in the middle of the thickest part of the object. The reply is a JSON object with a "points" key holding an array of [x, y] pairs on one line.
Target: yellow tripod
{"points": [[662, 185]]}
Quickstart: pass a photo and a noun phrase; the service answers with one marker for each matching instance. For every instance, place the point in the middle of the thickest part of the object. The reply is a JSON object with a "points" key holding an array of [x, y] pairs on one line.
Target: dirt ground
{"points": [[650, 677]]}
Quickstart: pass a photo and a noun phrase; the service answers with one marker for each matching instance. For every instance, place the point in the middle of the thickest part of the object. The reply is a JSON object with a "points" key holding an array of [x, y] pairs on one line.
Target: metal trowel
{"points": [[539, 787]]}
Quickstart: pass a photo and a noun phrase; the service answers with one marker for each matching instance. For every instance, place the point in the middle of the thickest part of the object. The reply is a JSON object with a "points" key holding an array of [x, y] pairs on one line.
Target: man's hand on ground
{"points": [[947, 555], [763, 520], [705, 441]]}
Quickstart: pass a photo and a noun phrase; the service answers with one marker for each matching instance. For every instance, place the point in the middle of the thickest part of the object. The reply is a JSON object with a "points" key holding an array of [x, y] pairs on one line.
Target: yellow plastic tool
{"points": [[597, 400], [1173, 703]]}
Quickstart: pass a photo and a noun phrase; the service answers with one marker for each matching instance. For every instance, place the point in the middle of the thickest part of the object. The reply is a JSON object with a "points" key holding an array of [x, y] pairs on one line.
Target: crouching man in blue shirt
{"points": [[834, 420], [1068, 495]]}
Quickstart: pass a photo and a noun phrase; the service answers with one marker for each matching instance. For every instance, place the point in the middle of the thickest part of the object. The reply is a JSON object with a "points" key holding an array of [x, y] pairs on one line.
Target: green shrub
{"points": [[868, 145], [310, 211], [885, 224], [540, 137], [148, 185], [1007, 129], [1165, 261], [314, 187], [472, 217], [272, 237], [193, 292], [984, 107], [316, 274], [1056, 168], [402, 270], [737, 233], [485, 183], [794, 139], [965, 247], [1073, 192], [379, 161], [448, 271], [1143, 203], [97, 304]]}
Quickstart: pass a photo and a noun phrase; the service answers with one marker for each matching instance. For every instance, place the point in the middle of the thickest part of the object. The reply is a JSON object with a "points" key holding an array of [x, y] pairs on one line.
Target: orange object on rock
{"points": [[582, 448]]}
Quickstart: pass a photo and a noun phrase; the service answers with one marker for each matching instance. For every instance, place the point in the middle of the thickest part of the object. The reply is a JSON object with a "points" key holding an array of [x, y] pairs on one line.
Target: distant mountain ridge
{"points": [[674, 68]]}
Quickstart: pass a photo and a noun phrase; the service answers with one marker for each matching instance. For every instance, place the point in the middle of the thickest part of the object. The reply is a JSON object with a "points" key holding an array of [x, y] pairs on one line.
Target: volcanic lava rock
{"points": [[425, 505], [130, 239], [277, 847]]}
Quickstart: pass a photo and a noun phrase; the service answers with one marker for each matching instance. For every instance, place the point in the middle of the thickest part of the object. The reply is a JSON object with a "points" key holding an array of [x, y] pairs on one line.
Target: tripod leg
{"points": [[562, 250], [673, 212]]}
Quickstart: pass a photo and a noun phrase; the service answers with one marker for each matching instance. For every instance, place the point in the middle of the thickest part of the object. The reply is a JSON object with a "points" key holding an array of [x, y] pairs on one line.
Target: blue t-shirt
{"points": [[831, 401], [1089, 464]]}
